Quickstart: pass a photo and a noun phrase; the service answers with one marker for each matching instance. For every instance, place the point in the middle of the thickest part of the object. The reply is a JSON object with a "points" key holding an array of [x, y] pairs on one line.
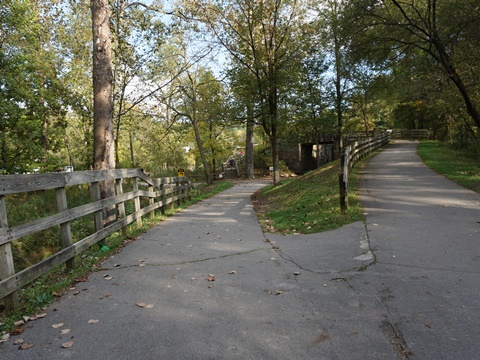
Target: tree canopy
{"points": [[190, 85]]}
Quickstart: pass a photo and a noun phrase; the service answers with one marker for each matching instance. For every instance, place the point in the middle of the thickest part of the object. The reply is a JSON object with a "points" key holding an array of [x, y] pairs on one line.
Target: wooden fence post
{"points": [[183, 184], [163, 198], [98, 215], [177, 191], [151, 201], [121, 205], [65, 230], [7, 268], [137, 203], [341, 182]]}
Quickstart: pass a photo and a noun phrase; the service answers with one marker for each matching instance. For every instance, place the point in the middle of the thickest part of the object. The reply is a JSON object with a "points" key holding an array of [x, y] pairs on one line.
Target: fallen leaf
{"points": [[81, 279], [278, 292], [18, 342], [19, 323], [105, 296], [68, 344], [211, 278], [56, 326], [193, 278], [93, 321], [428, 325], [233, 272], [40, 316], [296, 273], [144, 305], [272, 258], [4, 338], [108, 278], [25, 346], [18, 331], [65, 331]]}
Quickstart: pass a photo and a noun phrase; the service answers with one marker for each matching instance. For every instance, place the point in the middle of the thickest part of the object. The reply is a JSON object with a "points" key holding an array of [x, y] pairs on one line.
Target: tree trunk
{"points": [[208, 178], [103, 142], [273, 118], [457, 80], [249, 159], [132, 154]]}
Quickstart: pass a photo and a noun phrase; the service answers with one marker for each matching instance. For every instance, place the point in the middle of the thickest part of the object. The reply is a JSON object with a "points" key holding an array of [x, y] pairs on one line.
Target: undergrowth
{"points": [[309, 203]]}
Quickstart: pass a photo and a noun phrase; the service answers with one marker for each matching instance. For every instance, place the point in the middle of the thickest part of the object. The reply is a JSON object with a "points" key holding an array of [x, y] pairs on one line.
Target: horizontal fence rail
{"points": [[351, 154], [160, 192], [421, 134]]}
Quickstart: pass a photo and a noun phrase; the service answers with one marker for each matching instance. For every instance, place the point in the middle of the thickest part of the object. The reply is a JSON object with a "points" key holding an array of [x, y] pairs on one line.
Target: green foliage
{"points": [[459, 165], [307, 204]]}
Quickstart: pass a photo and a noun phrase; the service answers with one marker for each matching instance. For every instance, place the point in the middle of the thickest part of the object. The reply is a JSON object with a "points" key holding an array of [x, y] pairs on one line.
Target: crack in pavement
{"points": [[428, 268], [183, 262], [396, 339]]}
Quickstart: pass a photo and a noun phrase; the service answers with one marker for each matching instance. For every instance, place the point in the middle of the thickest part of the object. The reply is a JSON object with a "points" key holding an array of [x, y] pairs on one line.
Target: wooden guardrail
{"points": [[160, 192], [419, 134], [351, 154]]}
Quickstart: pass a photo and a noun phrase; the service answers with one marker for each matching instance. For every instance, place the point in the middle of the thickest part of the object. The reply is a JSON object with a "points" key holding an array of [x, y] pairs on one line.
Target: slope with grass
{"points": [[458, 165], [307, 204]]}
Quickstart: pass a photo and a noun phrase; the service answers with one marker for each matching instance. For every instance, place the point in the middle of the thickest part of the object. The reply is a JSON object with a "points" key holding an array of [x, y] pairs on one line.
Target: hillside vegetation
{"points": [[307, 204], [455, 164], [310, 203]]}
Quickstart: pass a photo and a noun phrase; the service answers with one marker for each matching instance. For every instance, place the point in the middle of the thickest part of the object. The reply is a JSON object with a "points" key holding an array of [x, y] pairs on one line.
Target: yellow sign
{"points": [[181, 172]]}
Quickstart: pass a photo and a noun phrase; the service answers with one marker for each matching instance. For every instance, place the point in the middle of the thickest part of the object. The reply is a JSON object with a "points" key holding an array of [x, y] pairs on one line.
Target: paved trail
{"points": [[425, 233], [286, 297]]}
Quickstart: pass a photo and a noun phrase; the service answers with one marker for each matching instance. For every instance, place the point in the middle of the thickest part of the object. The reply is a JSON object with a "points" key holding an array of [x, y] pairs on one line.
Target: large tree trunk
{"points": [[249, 142], [208, 178], [103, 142], [452, 72], [273, 117]]}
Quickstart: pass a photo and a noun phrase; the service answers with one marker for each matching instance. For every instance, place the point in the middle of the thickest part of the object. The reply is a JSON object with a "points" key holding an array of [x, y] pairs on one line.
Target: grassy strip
{"points": [[455, 164], [308, 204], [55, 283]]}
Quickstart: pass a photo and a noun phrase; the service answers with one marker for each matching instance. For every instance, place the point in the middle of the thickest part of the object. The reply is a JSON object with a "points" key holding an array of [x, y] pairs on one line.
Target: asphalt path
{"points": [[425, 233], [208, 284]]}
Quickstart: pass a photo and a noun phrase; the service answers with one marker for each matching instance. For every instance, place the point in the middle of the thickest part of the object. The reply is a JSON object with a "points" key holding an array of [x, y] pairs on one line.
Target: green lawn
{"points": [[455, 164], [307, 204]]}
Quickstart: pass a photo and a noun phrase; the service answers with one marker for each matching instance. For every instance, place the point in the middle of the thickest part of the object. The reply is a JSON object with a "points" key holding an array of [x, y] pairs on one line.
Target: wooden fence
{"points": [[159, 191], [411, 134], [351, 154]]}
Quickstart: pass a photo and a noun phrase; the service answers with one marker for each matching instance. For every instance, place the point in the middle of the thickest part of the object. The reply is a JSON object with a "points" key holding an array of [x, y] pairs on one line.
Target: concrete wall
{"points": [[305, 157]]}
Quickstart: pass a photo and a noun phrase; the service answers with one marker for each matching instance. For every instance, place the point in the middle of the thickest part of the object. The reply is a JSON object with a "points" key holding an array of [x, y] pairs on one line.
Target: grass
{"points": [[309, 203], [47, 288], [455, 164]]}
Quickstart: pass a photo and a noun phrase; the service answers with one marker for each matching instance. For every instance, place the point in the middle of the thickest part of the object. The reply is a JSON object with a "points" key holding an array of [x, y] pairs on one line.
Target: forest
{"points": [[187, 83]]}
